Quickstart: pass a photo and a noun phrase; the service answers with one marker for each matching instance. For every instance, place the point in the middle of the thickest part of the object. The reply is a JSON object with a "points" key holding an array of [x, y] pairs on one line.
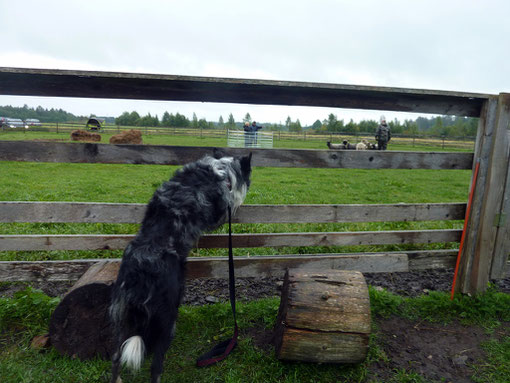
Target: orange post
{"points": [[468, 211]]}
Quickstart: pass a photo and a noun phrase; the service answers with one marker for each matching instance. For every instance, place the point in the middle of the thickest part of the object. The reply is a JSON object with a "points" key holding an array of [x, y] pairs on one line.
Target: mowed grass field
{"points": [[196, 140], [27, 314], [136, 184]]}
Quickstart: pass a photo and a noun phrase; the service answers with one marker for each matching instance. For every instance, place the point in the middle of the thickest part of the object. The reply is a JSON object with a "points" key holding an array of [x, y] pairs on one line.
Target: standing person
{"points": [[382, 134], [255, 128], [247, 135]]}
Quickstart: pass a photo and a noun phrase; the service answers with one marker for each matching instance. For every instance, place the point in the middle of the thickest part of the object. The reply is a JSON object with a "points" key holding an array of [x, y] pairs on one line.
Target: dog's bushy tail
{"points": [[132, 352]]}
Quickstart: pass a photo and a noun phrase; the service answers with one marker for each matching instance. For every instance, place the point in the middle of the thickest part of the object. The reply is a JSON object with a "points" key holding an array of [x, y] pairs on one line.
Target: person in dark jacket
{"points": [[383, 134], [250, 135], [255, 128]]}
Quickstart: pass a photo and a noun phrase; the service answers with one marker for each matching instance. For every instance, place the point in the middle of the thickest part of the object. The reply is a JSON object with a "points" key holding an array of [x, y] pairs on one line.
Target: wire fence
{"points": [[237, 138]]}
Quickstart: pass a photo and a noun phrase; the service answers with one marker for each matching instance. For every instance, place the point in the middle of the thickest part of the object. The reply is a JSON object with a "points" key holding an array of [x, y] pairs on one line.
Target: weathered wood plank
{"points": [[502, 218], [90, 84], [319, 310], [321, 300], [246, 267], [469, 262], [433, 259], [323, 348], [212, 267], [178, 155], [493, 197], [115, 241], [90, 212]]}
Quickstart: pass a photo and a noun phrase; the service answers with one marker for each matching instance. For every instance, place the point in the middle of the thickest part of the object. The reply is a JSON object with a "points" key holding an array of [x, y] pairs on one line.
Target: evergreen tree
{"points": [[317, 125], [288, 121], [194, 121], [231, 122], [166, 119]]}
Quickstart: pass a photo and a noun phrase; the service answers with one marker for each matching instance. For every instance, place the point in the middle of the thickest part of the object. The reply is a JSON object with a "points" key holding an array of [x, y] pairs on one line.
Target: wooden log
{"points": [[80, 325], [324, 317]]}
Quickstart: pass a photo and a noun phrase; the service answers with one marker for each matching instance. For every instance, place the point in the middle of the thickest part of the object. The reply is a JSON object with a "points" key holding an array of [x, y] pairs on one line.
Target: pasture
{"points": [[27, 313], [136, 183]]}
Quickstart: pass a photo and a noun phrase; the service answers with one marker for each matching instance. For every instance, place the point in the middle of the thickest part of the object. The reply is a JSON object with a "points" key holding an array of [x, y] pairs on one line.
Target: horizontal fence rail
{"points": [[179, 155], [258, 266], [34, 242], [246, 267], [140, 86], [90, 212]]}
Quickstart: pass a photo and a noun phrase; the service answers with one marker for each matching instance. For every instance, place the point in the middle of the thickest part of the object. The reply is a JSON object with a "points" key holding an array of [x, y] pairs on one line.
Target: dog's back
{"points": [[150, 284]]}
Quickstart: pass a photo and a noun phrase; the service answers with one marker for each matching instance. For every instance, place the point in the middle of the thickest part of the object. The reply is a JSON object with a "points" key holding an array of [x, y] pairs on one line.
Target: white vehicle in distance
{"points": [[13, 123], [32, 122]]}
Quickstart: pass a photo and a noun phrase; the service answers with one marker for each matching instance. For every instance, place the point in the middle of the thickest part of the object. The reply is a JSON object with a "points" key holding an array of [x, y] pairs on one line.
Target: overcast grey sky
{"points": [[431, 44]]}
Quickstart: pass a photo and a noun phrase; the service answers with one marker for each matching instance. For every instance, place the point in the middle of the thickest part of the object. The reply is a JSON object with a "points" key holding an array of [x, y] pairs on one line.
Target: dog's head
{"points": [[236, 172]]}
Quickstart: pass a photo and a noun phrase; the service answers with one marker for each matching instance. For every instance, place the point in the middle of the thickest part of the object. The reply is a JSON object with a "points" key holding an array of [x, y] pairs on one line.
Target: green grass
{"points": [[497, 369], [25, 181], [161, 139], [198, 328], [27, 313], [487, 310]]}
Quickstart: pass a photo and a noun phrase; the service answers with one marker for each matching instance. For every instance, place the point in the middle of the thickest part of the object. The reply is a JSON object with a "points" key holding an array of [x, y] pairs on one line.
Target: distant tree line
{"points": [[438, 126], [40, 113]]}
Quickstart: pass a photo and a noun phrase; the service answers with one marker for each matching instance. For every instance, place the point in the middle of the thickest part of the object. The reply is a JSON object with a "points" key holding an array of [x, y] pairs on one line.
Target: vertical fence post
{"points": [[502, 218], [486, 244], [57, 127]]}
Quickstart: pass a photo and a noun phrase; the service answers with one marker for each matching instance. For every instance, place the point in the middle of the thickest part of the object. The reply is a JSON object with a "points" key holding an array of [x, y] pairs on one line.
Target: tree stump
{"points": [[324, 317], [80, 325]]}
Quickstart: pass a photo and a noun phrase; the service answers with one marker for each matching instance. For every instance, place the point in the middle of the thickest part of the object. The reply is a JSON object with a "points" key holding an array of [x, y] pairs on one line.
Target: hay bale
{"points": [[83, 135], [127, 137]]}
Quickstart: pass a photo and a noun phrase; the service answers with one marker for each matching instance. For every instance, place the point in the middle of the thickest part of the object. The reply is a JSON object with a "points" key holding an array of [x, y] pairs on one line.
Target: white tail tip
{"points": [[132, 352]]}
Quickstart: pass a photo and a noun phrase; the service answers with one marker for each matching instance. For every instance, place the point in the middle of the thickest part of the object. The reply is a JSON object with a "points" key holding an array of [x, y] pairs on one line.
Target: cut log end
{"points": [[80, 325], [324, 317]]}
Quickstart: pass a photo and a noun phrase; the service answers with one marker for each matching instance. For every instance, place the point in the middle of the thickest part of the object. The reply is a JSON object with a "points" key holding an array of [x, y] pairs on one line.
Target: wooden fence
{"points": [[417, 140], [487, 245]]}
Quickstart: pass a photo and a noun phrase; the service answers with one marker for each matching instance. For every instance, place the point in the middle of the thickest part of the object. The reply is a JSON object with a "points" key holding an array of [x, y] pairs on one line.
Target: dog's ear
{"points": [[246, 163], [218, 153]]}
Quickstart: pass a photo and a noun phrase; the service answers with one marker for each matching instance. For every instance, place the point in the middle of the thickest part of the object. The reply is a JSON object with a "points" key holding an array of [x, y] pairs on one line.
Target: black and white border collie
{"points": [[150, 284]]}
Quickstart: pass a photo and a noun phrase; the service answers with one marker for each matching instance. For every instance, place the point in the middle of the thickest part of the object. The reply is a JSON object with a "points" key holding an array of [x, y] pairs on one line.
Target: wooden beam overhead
{"points": [[141, 86]]}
